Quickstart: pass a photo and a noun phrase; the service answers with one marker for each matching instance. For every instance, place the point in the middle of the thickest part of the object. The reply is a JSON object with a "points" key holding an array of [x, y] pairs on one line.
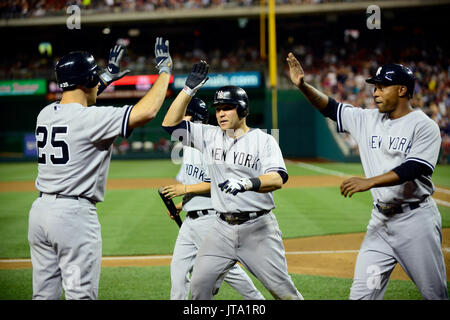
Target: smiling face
{"points": [[227, 117], [387, 97]]}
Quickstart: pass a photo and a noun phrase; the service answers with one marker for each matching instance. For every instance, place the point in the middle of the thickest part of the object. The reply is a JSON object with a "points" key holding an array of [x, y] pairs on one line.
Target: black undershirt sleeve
{"points": [[330, 110], [411, 170]]}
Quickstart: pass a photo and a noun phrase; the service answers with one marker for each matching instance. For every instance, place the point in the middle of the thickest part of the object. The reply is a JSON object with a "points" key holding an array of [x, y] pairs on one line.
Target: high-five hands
{"points": [[112, 72], [196, 78], [295, 70], [162, 55]]}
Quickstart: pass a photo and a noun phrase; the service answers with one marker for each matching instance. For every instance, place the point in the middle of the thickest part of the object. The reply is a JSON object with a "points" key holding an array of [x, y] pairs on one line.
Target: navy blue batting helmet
{"points": [[77, 68], [234, 96], [198, 110], [390, 74]]}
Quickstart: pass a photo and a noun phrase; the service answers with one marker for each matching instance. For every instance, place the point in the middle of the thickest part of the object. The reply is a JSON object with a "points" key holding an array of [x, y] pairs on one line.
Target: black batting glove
{"points": [[162, 55], [112, 72], [196, 78]]}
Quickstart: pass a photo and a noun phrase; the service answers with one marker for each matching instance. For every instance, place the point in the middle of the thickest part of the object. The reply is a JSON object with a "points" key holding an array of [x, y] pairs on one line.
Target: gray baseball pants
{"points": [[189, 240], [257, 244], [66, 248], [413, 239]]}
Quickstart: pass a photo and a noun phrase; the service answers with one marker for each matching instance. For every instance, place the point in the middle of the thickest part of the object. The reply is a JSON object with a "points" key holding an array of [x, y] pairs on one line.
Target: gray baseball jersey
{"points": [[413, 236], [74, 147], [385, 143], [256, 243], [74, 151], [193, 171], [193, 232], [250, 155]]}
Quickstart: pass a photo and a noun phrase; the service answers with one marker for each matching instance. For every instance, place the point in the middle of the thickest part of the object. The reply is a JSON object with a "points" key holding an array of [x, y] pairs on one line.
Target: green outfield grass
{"points": [[153, 283], [135, 222]]}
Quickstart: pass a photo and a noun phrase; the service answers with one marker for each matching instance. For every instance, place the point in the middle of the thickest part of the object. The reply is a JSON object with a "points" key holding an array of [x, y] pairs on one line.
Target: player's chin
{"points": [[381, 108], [224, 125]]}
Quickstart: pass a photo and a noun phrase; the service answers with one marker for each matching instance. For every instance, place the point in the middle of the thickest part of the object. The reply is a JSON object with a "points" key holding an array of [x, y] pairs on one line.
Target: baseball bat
{"points": [[171, 207]]}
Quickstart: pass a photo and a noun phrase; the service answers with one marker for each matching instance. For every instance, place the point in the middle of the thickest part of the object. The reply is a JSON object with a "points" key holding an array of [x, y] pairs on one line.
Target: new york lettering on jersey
{"points": [[250, 155], [239, 158], [390, 142], [400, 144]]}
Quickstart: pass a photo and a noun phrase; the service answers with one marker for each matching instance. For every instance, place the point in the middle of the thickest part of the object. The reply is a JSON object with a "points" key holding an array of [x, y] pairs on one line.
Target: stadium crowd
{"points": [[337, 68], [38, 8], [341, 74]]}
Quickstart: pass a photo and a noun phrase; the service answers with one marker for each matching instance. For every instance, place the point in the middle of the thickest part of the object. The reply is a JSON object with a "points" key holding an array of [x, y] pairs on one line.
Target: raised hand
{"points": [[112, 72], [162, 55], [196, 78], [295, 70]]}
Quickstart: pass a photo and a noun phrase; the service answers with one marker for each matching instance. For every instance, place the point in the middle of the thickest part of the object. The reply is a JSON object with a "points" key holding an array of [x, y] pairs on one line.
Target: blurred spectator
{"points": [[36, 8]]}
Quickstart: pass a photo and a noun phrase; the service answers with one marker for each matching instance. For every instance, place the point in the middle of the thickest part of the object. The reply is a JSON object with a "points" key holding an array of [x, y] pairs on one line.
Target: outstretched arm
{"points": [[318, 99], [148, 106], [195, 81]]}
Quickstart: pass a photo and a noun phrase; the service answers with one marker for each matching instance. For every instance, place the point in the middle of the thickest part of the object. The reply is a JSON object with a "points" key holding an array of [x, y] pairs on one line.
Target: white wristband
{"points": [[189, 91]]}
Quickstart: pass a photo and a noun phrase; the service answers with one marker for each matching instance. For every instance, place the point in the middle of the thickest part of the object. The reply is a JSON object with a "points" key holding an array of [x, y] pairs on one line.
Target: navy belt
{"points": [[241, 217], [62, 196], [397, 208], [198, 213]]}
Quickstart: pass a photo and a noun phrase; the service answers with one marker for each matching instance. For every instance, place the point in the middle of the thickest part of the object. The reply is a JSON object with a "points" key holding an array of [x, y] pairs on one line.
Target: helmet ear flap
{"points": [[242, 111]]}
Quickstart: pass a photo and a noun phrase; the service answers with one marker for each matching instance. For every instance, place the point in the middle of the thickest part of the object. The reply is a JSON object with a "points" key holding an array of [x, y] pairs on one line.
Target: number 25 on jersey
{"points": [[57, 142]]}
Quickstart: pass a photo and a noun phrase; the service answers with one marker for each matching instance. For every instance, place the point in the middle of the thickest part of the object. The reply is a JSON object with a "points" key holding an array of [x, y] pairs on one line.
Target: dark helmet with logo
{"points": [[198, 110], [232, 95], [392, 74], [77, 68]]}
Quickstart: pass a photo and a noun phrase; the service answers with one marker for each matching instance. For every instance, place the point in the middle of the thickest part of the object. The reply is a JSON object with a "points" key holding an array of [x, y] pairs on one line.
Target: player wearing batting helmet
{"points": [[245, 166], [195, 186], [74, 151], [197, 110], [399, 147]]}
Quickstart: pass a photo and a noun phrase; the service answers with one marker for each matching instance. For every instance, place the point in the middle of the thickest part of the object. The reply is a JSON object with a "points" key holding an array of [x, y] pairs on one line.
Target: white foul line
{"points": [[321, 170], [442, 190], [341, 174], [170, 256], [320, 252]]}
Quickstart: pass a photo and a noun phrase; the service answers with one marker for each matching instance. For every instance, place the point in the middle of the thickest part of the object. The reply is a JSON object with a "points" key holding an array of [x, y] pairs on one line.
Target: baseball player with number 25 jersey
{"points": [[245, 166], [74, 144], [399, 148]]}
